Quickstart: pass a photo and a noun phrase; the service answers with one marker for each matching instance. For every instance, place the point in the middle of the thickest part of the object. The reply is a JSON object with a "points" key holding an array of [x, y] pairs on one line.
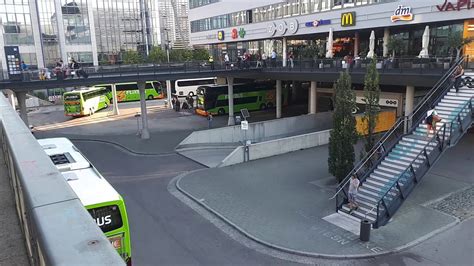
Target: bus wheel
{"points": [[263, 106], [150, 97], [270, 105], [221, 111], [91, 112], [191, 94]]}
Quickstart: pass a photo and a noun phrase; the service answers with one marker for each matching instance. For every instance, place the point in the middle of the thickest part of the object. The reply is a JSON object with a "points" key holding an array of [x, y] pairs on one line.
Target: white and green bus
{"points": [[86, 101], [128, 91], [101, 200]]}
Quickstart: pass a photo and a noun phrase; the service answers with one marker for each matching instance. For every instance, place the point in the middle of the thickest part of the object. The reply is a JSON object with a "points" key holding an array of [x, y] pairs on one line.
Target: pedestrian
{"points": [[457, 77], [353, 189], [191, 102], [259, 60], [247, 60], [24, 66], [264, 59], [209, 120], [291, 58], [59, 69], [178, 105], [211, 62], [226, 61], [173, 103], [273, 58], [431, 119]]}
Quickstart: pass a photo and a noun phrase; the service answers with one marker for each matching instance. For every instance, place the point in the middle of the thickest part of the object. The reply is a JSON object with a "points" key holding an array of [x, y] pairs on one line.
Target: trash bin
{"points": [[365, 226], [238, 119]]}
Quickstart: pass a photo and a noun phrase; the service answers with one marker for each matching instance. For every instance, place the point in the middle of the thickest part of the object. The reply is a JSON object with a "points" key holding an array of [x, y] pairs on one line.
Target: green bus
{"points": [[129, 91], [213, 99], [100, 199], [86, 101]]}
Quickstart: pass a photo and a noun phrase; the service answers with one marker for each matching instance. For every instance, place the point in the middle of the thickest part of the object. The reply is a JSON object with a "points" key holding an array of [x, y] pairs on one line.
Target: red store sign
{"points": [[234, 34], [453, 5]]}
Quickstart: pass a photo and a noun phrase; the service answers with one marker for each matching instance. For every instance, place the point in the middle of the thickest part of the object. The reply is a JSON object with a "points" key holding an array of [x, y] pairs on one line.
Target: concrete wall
{"points": [[260, 131], [279, 146]]}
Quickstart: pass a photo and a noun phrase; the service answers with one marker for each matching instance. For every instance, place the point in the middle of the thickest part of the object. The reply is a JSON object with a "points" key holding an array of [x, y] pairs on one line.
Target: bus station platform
{"points": [[282, 203]]}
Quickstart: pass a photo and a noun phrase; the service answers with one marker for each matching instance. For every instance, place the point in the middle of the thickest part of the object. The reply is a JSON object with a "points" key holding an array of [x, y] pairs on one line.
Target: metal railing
{"points": [[374, 157], [333, 65], [57, 228], [394, 196]]}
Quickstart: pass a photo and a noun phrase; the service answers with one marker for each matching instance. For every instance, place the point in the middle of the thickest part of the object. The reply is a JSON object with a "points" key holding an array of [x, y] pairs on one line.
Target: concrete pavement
{"points": [[282, 201]]}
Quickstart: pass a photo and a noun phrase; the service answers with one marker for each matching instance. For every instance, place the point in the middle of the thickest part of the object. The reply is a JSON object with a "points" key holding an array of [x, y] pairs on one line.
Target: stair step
{"points": [[460, 102], [405, 163], [367, 198], [393, 165], [360, 214], [415, 139], [404, 153], [449, 104], [461, 94]]}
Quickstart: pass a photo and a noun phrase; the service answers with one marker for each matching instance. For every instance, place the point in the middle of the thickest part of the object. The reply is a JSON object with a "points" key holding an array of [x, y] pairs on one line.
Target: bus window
{"points": [[108, 218], [245, 100], [148, 86], [127, 87], [157, 86]]}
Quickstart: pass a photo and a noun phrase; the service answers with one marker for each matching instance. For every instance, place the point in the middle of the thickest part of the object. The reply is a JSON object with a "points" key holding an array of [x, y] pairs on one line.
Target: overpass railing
{"points": [[411, 65], [57, 228]]}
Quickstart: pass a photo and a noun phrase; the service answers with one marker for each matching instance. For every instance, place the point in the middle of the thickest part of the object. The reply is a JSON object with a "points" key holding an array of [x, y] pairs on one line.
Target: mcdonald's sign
{"points": [[348, 19]]}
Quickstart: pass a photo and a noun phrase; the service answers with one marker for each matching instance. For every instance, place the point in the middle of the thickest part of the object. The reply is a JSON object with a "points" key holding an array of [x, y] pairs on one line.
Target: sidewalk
{"points": [[283, 202]]}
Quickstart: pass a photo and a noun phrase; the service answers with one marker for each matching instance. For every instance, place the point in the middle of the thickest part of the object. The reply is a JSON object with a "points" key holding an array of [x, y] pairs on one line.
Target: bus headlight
{"points": [[116, 242]]}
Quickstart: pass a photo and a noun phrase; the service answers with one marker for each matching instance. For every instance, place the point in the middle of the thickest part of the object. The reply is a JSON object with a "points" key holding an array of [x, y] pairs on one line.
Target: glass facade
{"points": [[198, 3], [16, 22], [49, 31], [272, 12], [76, 21]]}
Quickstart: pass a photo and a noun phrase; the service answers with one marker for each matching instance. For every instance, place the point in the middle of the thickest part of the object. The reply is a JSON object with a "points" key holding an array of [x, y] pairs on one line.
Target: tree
{"points": [[371, 100], [395, 45], [343, 135], [132, 57], [157, 55], [457, 42], [200, 54]]}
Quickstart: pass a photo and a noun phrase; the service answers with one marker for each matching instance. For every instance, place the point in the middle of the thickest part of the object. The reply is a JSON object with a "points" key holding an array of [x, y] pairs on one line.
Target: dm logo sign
{"points": [[220, 35], [348, 19], [402, 13]]}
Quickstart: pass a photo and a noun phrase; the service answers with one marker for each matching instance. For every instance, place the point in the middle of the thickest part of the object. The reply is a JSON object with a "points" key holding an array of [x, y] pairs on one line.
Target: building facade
{"points": [[174, 23], [262, 26], [86, 30]]}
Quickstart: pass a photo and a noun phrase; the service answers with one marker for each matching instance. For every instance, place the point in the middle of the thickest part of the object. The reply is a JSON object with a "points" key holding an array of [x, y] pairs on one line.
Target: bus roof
{"points": [[84, 89], [89, 186], [196, 79]]}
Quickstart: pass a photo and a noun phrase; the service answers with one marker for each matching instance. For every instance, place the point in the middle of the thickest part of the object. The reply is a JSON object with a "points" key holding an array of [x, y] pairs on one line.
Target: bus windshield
{"points": [[72, 97]]}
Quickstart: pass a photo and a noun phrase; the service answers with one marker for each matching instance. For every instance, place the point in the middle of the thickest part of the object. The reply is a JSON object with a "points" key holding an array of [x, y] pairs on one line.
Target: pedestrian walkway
{"points": [[283, 202]]}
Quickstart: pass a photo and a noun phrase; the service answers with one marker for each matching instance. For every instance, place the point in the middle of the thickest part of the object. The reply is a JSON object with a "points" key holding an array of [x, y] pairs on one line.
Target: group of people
{"points": [[187, 104], [73, 69]]}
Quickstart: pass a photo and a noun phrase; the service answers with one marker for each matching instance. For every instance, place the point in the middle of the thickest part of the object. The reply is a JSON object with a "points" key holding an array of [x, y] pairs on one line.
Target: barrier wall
{"points": [[57, 228], [278, 146], [259, 131]]}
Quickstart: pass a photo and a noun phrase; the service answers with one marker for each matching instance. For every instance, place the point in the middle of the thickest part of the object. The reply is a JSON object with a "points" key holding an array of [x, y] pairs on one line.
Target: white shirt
{"points": [[264, 56], [431, 112], [274, 55], [354, 185], [226, 58]]}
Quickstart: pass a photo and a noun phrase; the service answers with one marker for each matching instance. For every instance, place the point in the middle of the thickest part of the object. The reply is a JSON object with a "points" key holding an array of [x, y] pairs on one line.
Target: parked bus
{"points": [[129, 91], [188, 87], [100, 199], [252, 96], [86, 101]]}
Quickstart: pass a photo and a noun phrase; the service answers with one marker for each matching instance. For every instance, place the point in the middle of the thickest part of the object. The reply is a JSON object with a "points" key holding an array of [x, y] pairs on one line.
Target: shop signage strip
{"points": [[348, 19]]}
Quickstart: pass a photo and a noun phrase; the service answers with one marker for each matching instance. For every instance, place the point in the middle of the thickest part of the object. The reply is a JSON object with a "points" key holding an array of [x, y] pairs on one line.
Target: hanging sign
{"points": [[220, 35], [317, 23], [348, 19]]}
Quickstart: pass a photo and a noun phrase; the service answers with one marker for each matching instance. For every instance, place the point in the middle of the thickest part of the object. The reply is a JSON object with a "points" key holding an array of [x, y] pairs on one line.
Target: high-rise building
{"points": [[88, 30], [174, 23]]}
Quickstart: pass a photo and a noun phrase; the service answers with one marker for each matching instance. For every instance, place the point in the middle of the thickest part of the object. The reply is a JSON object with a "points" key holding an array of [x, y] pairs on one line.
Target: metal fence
{"points": [[57, 228]]}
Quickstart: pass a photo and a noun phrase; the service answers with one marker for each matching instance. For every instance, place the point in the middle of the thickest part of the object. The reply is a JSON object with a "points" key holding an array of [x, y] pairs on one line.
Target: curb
{"points": [[309, 254], [122, 147]]}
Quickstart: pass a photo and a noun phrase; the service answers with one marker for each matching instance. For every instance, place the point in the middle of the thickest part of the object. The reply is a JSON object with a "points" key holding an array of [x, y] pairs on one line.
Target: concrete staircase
{"points": [[405, 154]]}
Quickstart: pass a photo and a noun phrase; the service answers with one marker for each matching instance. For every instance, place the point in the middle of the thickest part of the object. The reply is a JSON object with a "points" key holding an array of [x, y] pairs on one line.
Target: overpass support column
{"points": [[386, 37], [356, 44], [141, 87], [312, 99], [284, 55], [11, 98], [168, 93], [409, 100], [115, 109], [278, 99], [21, 97], [230, 86]]}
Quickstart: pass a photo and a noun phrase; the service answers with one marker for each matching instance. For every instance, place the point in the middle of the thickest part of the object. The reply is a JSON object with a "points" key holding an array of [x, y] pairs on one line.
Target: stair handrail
{"points": [[440, 82], [443, 129], [411, 163], [394, 127]]}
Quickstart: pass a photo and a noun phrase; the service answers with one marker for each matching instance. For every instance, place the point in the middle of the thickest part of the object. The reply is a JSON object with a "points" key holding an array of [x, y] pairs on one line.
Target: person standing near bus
{"points": [[211, 62], [209, 121]]}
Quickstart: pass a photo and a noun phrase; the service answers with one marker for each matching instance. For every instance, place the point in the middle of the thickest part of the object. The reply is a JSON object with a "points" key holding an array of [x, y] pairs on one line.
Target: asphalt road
{"points": [[164, 230]]}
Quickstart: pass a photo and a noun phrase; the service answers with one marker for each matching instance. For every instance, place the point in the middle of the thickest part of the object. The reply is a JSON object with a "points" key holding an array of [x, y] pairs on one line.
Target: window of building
{"points": [[198, 3]]}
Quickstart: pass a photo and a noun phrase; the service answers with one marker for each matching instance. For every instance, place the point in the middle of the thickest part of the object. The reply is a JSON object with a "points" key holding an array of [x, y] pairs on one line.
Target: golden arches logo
{"points": [[348, 19]]}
